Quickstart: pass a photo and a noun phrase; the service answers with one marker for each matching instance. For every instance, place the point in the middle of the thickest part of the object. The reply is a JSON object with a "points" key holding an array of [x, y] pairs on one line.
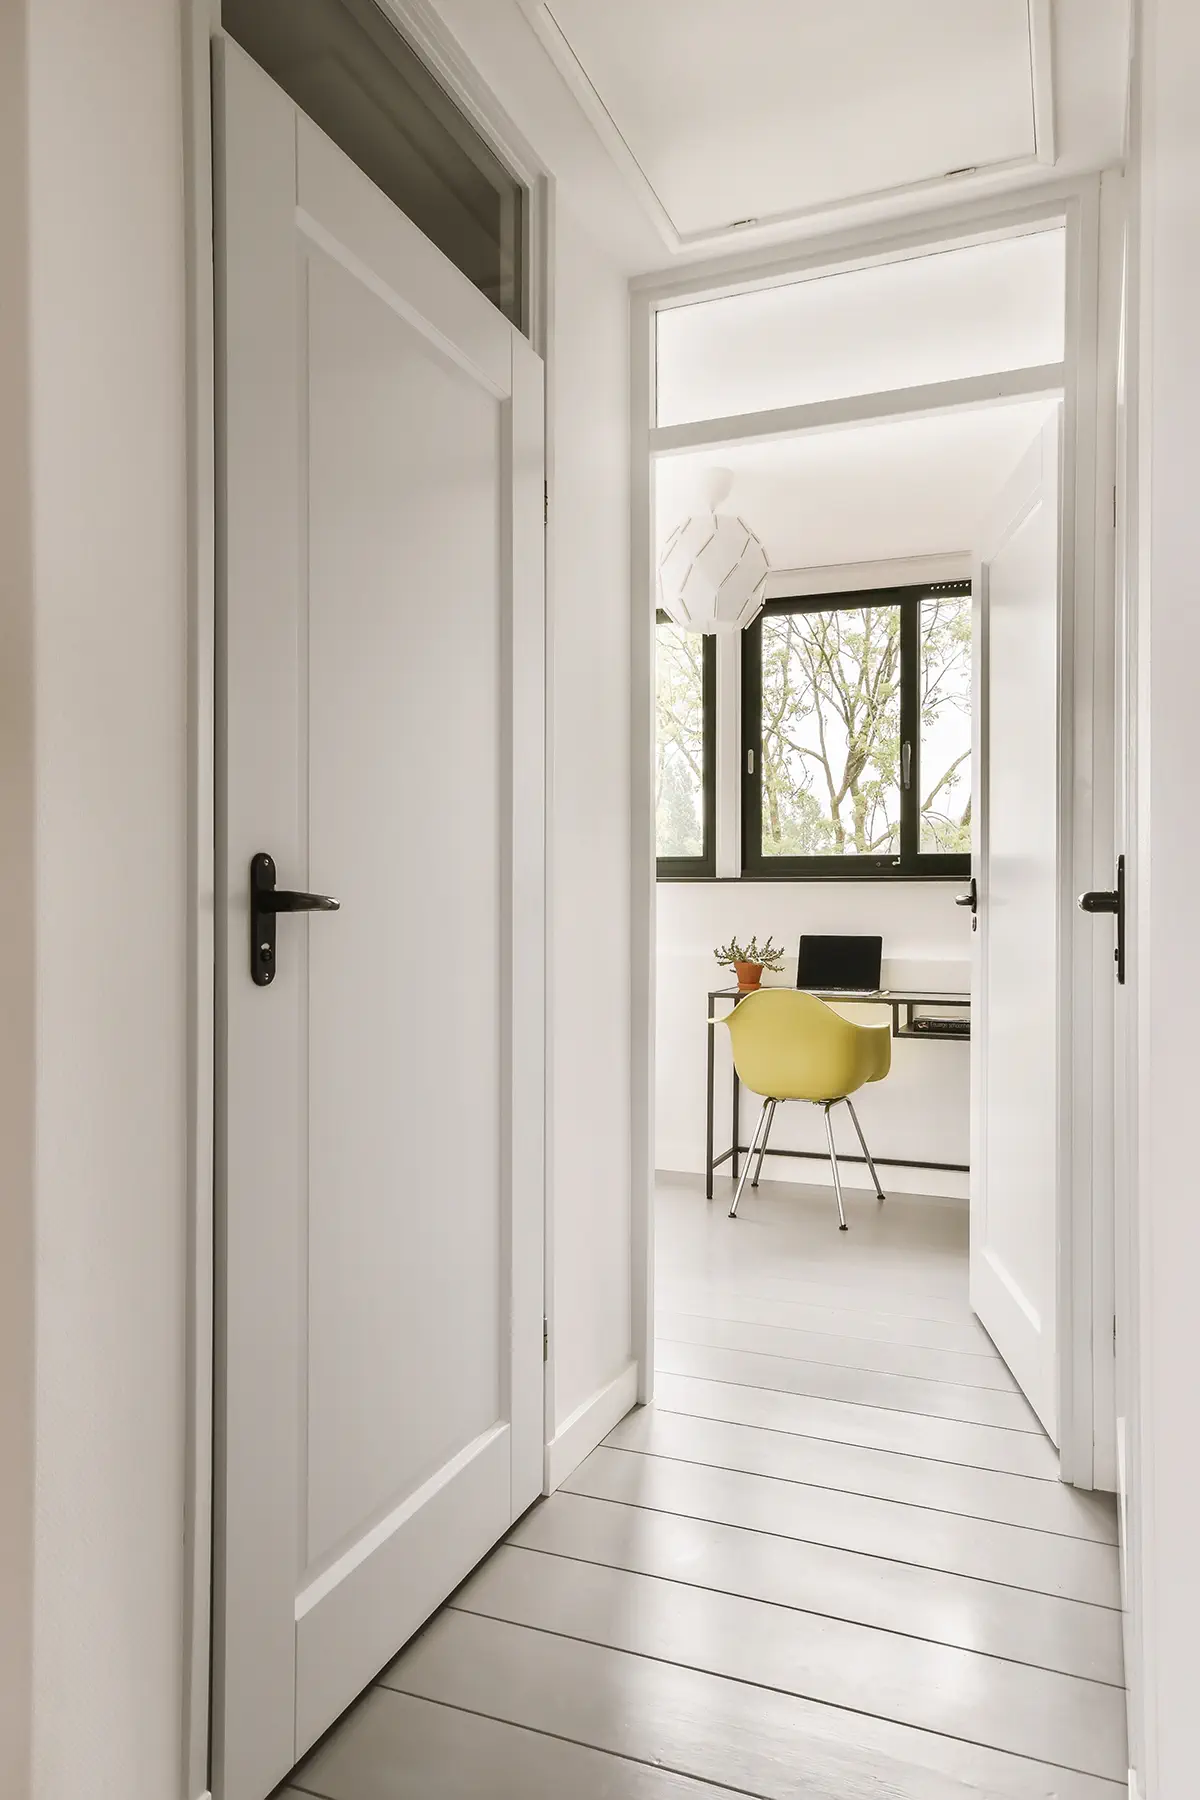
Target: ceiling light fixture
{"points": [[712, 573]]}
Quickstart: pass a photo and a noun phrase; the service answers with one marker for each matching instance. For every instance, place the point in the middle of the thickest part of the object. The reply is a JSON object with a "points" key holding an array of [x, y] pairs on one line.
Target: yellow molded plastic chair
{"points": [[789, 1045]]}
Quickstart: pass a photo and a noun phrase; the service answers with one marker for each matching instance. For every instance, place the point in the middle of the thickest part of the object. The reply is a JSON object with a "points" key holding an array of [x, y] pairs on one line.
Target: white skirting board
{"points": [[589, 1425]]}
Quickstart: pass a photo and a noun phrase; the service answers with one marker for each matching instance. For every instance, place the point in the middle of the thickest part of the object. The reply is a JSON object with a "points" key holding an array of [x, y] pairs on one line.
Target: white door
{"points": [[1014, 1031], [379, 1396]]}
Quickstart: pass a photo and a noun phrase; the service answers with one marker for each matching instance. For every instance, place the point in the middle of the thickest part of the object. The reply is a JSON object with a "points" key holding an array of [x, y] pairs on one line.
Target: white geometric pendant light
{"points": [[712, 572]]}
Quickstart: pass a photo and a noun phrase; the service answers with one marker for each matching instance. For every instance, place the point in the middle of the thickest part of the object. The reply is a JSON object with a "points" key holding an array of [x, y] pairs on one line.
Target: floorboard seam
{"points": [[1033, 1431], [858, 1712], [842, 1337], [821, 1487], [810, 1612], [821, 1362], [558, 1737], [876, 1449]]}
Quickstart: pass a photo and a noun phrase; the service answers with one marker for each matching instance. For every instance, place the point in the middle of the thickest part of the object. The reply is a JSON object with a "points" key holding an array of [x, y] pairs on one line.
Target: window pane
{"points": [[679, 794], [831, 732], [973, 311], [345, 64], [946, 724]]}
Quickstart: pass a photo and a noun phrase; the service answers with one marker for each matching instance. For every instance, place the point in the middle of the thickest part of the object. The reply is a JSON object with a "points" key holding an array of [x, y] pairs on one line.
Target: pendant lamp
{"points": [[712, 571]]}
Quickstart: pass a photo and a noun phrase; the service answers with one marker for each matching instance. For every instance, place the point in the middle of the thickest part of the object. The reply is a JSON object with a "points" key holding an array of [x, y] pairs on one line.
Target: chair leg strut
{"points": [[879, 1193], [762, 1148], [762, 1120], [833, 1163]]}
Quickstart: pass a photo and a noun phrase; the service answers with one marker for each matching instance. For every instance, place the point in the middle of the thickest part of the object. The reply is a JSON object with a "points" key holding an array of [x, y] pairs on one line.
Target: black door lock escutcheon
{"points": [[266, 901]]}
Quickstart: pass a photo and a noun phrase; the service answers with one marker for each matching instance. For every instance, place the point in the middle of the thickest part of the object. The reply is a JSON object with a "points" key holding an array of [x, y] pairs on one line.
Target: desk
{"points": [[900, 1002]]}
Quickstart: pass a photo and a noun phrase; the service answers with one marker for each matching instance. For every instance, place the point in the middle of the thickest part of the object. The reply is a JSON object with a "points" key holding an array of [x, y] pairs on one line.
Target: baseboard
{"points": [[589, 1425]]}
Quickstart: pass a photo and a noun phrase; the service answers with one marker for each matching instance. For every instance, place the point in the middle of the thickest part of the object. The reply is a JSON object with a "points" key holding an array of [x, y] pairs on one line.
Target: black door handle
{"points": [[1111, 900], [266, 901], [971, 899]]}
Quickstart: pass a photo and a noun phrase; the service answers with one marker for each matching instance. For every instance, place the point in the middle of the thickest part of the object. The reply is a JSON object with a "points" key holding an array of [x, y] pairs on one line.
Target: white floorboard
{"points": [[974, 1370], [834, 1561], [856, 1387], [736, 1735], [856, 1469], [900, 1597], [935, 1687], [1007, 1554], [880, 1428], [396, 1747]]}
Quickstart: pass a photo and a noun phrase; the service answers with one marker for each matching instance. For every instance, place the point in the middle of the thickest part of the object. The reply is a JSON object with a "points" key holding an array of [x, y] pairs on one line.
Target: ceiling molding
{"points": [[1039, 13]]}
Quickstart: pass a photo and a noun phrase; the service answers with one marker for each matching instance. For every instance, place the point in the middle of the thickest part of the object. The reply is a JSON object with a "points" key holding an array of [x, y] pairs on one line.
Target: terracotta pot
{"points": [[749, 976]]}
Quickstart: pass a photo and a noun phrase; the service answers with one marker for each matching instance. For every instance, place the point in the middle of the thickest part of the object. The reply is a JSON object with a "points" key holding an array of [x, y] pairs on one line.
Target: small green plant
{"points": [[765, 955]]}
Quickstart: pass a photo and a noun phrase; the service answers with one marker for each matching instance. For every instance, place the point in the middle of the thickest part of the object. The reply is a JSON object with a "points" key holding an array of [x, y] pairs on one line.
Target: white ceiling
{"points": [[766, 108], [917, 487], [801, 116]]}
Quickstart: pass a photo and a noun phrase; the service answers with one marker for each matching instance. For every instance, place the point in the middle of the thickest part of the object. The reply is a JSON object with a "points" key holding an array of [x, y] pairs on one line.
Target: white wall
{"points": [[17, 987], [589, 1288], [1164, 1464], [921, 1110], [99, 1014]]}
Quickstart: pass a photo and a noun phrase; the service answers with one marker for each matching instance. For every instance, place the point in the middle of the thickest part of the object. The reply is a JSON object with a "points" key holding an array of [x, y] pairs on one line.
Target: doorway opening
{"points": [[876, 756]]}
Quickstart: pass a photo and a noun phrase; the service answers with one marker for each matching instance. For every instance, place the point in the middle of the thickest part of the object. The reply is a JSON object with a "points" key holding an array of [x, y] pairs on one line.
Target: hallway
{"points": [[833, 1562]]}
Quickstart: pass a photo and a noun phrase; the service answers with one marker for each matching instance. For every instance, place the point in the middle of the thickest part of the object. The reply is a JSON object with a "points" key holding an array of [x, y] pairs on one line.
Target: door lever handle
{"points": [[1110, 900], [279, 900], [266, 902], [971, 899]]}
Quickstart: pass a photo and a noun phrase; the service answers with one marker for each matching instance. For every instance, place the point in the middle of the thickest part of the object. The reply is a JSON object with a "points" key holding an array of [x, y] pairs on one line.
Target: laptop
{"points": [[840, 965]]}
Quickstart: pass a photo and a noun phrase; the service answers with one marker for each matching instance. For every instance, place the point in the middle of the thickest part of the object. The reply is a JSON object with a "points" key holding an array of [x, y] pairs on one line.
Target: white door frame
{"points": [[200, 25], [1086, 776]]}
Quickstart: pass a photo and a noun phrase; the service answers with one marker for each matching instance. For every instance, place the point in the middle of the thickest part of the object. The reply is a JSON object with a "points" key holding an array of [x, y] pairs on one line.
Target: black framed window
{"points": [[856, 717], [685, 789]]}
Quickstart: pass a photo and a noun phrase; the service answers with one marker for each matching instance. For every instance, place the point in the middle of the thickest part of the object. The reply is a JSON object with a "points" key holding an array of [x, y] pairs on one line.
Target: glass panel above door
{"points": [[346, 65]]}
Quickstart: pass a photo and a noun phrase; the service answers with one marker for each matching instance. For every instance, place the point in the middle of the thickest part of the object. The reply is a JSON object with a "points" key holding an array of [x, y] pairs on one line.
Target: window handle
{"points": [[749, 762], [906, 765]]}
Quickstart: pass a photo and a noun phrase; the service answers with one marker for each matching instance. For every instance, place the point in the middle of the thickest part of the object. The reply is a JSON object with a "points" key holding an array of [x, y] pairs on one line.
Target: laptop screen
{"points": [[840, 962]]}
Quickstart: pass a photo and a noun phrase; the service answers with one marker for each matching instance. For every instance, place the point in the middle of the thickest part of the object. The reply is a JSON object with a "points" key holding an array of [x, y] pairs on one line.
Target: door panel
{"points": [[1014, 1159], [404, 804], [381, 1114]]}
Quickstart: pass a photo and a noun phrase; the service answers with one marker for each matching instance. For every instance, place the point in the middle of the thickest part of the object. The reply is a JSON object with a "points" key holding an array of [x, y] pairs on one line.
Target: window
{"points": [[856, 716], [344, 63], [685, 776]]}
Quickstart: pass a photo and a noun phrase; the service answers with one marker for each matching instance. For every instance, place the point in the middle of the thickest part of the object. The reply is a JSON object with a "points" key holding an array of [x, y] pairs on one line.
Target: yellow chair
{"points": [[789, 1045]]}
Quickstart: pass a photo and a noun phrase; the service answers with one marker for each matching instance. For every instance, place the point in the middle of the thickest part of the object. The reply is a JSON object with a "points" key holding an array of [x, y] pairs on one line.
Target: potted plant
{"points": [[749, 961]]}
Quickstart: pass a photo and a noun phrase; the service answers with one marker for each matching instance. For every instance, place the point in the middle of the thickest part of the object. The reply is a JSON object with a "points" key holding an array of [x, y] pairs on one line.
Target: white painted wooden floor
{"points": [[833, 1562]]}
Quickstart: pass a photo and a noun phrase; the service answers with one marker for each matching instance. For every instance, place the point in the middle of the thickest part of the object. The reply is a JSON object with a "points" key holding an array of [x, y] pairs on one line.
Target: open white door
{"points": [[380, 1188], [1014, 1025]]}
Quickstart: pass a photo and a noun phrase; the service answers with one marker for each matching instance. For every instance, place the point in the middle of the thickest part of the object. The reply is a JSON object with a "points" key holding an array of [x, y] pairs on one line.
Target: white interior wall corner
{"points": [[590, 819], [17, 927], [106, 275]]}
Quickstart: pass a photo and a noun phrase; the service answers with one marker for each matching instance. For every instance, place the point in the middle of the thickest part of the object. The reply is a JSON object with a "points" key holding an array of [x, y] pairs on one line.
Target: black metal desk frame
{"points": [[900, 1001]]}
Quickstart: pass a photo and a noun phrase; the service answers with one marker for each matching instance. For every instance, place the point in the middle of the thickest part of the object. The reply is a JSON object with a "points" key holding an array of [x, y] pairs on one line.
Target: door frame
{"points": [[200, 26], [1086, 770]]}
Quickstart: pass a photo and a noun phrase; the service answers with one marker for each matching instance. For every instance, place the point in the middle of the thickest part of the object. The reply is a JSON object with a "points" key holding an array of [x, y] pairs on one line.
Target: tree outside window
{"points": [[859, 732]]}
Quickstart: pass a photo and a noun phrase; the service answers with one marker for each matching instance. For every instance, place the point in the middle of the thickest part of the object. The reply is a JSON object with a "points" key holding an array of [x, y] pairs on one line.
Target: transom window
{"points": [[856, 712]]}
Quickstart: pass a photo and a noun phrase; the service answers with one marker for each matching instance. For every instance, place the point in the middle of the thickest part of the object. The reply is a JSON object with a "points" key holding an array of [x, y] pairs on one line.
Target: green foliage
{"points": [[831, 730], [767, 957], [679, 758]]}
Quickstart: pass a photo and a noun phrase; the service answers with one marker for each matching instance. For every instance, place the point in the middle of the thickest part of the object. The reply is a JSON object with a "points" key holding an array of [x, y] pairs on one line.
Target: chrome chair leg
{"points": [[762, 1120], [833, 1161], [762, 1149], [879, 1193]]}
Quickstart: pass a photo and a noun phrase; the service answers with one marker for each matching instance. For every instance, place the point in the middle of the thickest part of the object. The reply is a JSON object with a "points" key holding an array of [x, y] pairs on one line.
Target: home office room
{"points": [[859, 524]]}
